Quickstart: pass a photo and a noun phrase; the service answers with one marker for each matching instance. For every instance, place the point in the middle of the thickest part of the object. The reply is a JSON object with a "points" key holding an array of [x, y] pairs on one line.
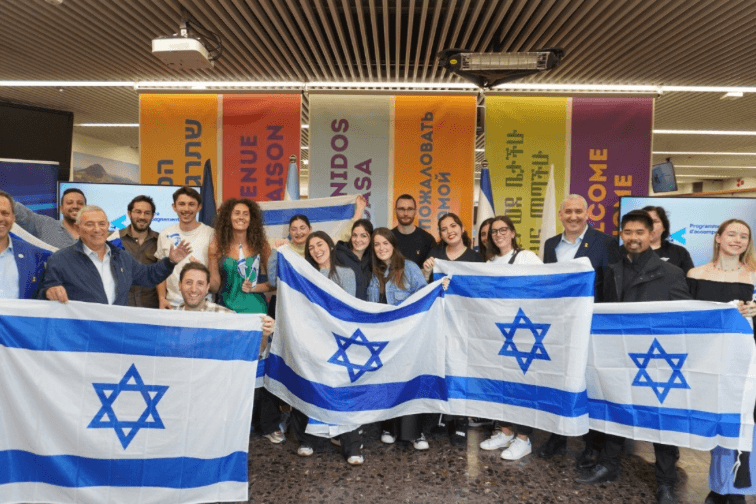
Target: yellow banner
{"points": [[177, 134], [524, 137], [434, 156]]}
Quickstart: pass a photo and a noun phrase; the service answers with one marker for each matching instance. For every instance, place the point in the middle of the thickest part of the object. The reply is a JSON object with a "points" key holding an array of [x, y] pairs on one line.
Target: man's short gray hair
{"points": [[577, 197], [89, 208]]}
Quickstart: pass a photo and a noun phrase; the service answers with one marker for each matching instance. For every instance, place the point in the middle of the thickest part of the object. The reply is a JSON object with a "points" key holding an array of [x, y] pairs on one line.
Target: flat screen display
{"points": [[663, 178], [115, 198], [693, 222]]}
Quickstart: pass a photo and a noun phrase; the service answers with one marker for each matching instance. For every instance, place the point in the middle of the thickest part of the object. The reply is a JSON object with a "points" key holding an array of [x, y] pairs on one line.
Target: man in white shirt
{"points": [[187, 202]]}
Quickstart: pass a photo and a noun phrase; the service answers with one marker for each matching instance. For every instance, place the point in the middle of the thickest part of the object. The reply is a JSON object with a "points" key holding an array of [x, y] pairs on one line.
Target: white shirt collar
{"points": [[88, 251], [579, 239]]}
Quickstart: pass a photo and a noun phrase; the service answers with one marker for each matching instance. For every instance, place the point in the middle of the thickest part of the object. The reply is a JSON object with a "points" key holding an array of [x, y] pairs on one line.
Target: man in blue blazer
{"points": [[579, 240], [21, 264]]}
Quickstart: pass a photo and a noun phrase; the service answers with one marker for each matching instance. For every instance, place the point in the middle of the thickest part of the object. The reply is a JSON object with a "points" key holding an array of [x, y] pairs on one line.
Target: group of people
{"points": [[182, 265]]}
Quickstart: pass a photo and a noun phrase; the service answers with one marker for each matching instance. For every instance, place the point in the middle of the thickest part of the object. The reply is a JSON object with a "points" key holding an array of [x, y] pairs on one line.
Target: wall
{"points": [[95, 147]]}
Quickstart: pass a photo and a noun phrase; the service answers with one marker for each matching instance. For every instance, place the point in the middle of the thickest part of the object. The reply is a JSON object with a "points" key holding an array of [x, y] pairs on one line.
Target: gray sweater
{"points": [[47, 229]]}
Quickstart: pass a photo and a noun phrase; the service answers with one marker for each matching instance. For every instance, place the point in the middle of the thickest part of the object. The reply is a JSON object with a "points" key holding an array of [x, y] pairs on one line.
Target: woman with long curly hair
{"points": [[237, 255]]}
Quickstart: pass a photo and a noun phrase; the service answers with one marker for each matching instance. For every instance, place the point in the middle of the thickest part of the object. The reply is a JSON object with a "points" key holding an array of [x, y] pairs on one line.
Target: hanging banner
{"points": [[177, 134], [611, 154], [260, 132], [524, 137], [434, 150], [350, 150]]}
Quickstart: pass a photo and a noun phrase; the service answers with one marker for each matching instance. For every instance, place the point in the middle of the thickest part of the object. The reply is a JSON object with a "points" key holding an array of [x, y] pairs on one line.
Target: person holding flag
{"points": [[486, 209]]}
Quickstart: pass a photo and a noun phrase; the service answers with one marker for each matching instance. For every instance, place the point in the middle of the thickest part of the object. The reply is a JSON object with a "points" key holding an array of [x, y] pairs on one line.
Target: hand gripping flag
{"points": [[517, 342], [345, 361], [676, 372], [98, 408]]}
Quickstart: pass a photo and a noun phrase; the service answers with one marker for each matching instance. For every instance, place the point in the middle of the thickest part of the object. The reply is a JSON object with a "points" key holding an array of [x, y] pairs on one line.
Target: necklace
{"points": [[720, 268]]}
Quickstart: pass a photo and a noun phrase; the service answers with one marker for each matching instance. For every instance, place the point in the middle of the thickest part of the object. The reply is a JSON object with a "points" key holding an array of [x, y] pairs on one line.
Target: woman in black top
{"points": [[357, 255], [454, 245], [668, 251]]}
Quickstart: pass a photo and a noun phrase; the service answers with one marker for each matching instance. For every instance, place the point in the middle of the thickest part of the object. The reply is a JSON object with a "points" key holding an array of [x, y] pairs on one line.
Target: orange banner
{"points": [[177, 134], [434, 156], [260, 132]]}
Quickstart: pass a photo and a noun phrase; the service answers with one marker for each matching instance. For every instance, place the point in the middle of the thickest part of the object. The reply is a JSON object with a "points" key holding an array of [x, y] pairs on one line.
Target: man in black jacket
{"points": [[640, 276]]}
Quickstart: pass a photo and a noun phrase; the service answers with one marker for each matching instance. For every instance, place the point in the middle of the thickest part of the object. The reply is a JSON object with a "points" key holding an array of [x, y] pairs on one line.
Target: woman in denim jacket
{"points": [[394, 280]]}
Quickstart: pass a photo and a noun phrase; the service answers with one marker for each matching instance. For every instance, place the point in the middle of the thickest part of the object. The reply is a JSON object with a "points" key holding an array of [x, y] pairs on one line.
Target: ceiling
{"points": [[651, 42]]}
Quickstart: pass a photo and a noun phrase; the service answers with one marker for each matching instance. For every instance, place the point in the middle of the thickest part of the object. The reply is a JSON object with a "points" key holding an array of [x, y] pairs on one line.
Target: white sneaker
{"points": [[420, 443], [387, 438], [497, 441], [355, 460], [305, 451], [517, 449]]}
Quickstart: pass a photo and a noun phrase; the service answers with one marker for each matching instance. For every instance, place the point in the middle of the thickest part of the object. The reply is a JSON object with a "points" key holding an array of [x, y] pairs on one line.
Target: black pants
{"points": [[664, 468], [406, 428], [267, 413], [351, 443], [298, 425]]}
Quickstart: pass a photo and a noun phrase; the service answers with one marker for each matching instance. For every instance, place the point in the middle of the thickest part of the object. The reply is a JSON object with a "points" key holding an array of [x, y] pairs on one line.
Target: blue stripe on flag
{"points": [[344, 311], [68, 335], [315, 214], [521, 287], [357, 397], [558, 402], [699, 423], [18, 466], [658, 324], [36, 207]]}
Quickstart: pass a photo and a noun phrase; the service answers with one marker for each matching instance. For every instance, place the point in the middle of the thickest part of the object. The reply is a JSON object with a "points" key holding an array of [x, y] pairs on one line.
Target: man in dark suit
{"points": [[21, 264], [579, 240]]}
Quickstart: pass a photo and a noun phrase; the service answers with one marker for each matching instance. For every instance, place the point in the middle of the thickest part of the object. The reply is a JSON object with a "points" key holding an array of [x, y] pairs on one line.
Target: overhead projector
{"points": [[182, 53]]}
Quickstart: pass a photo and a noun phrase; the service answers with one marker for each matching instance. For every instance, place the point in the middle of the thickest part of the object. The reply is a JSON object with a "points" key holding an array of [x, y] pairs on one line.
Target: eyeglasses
{"points": [[139, 212], [500, 231]]}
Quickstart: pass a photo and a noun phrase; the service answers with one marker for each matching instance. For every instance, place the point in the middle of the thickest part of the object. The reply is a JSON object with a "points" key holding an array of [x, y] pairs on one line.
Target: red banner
{"points": [[260, 132]]}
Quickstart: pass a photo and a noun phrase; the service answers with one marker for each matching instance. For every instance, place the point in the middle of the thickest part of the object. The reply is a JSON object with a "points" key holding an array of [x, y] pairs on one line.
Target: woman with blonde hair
{"points": [[729, 276]]}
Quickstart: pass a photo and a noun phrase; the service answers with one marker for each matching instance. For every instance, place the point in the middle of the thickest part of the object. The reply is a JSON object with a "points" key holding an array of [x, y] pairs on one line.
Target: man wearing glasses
{"points": [[141, 242], [414, 243], [579, 240]]}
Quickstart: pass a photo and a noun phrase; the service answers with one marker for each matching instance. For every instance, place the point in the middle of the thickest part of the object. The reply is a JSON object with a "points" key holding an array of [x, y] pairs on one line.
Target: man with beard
{"points": [[141, 242], [640, 276], [414, 243], [59, 234]]}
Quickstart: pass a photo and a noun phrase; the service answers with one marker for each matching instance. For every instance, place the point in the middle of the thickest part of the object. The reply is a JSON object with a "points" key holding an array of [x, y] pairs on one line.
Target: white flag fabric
{"points": [[548, 223], [345, 361], [110, 404], [676, 372], [326, 214], [17, 231], [485, 200], [517, 342]]}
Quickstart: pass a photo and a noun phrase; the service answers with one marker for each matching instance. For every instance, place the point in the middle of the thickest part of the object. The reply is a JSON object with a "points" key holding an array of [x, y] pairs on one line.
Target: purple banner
{"points": [[611, 154]]}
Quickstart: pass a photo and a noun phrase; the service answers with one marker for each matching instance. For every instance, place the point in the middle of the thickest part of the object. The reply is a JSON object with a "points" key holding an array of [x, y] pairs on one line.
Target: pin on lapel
{"points": [[121, 270], [586, 245], [20, 256]]}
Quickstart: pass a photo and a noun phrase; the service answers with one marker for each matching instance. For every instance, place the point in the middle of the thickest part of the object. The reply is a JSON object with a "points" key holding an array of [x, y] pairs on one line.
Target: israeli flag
{"points": [[111, 404], [345, 361], [676, 372], [331, 215], [292, 180], [485, 200], [19, 233], [517, 342]]}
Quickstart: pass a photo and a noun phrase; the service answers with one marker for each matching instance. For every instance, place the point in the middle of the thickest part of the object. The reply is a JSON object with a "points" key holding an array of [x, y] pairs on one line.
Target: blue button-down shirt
{"points": [[565, 250], [8, 273], [106, 273]]}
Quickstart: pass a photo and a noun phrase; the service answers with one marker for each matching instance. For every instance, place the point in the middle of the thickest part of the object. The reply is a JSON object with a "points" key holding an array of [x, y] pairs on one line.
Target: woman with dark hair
{"points": [[453, 245], [502, 244], [483, 236], [319, 250], [238, 253], [730, 275], [394, 280], [357, 255], [670, 252], [503, 249]]}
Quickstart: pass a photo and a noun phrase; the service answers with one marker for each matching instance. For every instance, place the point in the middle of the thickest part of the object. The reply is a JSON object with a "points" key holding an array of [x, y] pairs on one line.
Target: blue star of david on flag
{"points": [[675, 361], [109, 392], [341, 357], [538, 351]]}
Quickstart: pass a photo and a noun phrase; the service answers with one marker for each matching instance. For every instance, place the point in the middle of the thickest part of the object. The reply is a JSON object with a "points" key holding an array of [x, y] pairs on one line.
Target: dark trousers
{"points": [[664, 468], [592, 439], [351, 443], [406, 428], [298, 425], [267, 413]]}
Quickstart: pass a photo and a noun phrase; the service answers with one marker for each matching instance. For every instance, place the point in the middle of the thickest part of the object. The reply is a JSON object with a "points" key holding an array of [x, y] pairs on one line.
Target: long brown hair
{"points": [[466, 241], [256, 238], [491, 248], [748, 257], [396, 266], [333, 275]]}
